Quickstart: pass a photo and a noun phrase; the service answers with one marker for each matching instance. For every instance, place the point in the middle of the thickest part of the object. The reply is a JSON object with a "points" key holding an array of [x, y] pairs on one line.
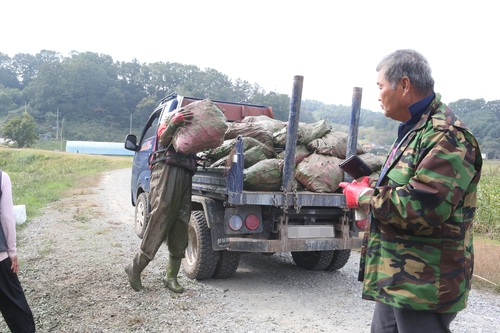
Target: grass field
{"points": [[488, 212], [40, 177], [487, 228]]}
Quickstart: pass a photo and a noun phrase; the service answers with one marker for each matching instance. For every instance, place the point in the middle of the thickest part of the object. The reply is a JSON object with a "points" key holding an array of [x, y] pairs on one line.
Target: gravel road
{"points": [[72, 259]]}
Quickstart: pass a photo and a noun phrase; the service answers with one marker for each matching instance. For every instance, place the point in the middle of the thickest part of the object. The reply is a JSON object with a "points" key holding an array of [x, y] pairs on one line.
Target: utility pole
{"points": [[62, 125], [130, 123], [57, 125]]}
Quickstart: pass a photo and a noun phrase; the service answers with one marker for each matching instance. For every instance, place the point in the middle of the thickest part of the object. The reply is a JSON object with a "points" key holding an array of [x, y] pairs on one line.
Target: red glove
{"points": [[353, 190], [182, 117]]}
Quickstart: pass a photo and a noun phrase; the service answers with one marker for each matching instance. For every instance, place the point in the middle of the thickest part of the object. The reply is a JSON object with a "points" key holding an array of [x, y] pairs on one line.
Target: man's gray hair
{"points": [[411, 64]]}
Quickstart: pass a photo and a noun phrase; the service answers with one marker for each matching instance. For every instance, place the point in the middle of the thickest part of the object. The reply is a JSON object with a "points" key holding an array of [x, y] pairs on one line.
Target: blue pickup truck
{"points": [[227, 220]]}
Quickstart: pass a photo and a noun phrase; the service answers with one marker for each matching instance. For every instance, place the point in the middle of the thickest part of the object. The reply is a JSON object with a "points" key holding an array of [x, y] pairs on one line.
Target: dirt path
{"points": [[72, 261]]}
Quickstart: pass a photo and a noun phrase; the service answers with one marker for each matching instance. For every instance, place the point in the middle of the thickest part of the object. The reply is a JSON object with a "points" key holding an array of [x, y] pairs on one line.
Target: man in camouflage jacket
{"points": [[417, 258]]}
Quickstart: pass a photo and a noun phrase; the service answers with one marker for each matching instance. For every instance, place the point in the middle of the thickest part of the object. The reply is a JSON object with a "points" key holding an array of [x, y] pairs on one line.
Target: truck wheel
{"points": [[340, 258], [142, 209], [200, 261], [227, 265], [313, 260]]}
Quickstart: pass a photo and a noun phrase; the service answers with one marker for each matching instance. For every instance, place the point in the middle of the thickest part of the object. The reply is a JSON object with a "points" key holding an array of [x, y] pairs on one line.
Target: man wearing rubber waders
{"points": [[170, 199]]}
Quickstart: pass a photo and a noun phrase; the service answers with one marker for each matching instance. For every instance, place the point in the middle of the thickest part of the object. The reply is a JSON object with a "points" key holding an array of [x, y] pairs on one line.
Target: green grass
{"points": [[51, 145], [40, 177], [486, 222]]}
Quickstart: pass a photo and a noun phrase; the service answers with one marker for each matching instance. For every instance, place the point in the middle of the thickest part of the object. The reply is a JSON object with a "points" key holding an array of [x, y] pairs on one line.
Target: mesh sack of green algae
{"points": [[228, 145], [253, 150], [373, 161], [251, 130], [319, 173], [272, 125], [305, 133], [310, 132], [301, 152], [222, 162], [205, 131], [254, 155], [264, 175], [251, 156], [332, 143]]}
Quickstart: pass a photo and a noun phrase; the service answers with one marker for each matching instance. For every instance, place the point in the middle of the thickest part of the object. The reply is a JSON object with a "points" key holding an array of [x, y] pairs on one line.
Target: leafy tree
{"points": [[26, 67], [279, 102], [8, 76], [131, 80], [21, 131], [47, 91], [144, 109]]}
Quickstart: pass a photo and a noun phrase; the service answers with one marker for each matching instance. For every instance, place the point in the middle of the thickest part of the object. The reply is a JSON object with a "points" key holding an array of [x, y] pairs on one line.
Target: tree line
{"points": [[89, 96]]}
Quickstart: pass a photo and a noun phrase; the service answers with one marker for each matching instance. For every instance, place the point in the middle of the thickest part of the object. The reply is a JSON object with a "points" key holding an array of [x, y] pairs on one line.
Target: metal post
{"points": [[291, 135], [352, 139]]}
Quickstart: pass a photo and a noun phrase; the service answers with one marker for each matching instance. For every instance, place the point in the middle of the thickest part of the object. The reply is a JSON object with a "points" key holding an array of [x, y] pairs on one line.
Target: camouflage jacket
{"points": [[418, 251]]}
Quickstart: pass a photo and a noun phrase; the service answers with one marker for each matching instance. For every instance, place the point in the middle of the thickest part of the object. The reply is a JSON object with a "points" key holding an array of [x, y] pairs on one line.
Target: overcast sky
{"points": [[335, 45]]}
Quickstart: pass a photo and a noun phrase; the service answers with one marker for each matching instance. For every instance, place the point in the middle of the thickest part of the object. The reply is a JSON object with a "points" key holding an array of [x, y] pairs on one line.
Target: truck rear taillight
{"points": [[252, 222], [235, 223], [361, 224]]}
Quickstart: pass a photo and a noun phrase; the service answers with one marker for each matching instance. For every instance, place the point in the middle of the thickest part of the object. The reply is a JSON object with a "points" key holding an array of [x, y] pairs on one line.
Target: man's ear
{"points": [[405, 83]]}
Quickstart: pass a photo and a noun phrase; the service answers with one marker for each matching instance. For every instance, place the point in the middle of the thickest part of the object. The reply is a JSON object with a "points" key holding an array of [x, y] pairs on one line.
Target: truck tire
{"points": [[313, 260], [142, 209], [340, 258], [200, 259], [227, 265]]}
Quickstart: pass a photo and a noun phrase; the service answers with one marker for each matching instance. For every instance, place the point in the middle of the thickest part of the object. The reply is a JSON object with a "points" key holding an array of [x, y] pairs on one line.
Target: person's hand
{"points": [[14, 264], [353, 190], [182, 117]]}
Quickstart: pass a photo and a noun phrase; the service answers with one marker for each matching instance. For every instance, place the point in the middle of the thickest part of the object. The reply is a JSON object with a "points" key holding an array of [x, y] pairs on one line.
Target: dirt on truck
{"points": [[234, 214]]}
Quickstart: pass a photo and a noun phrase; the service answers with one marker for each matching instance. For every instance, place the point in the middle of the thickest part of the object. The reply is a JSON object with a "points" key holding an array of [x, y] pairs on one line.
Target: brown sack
{"points": [[250, 130], [272, 125], [319, 173], [332, 143], [205, 131], [301, 152], [305, 133], [310, 132]]}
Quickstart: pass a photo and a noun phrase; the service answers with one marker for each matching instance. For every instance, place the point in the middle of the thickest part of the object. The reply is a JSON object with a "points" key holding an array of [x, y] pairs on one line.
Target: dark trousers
{"points": [[170, 198], [388, 319], [13, 304]]}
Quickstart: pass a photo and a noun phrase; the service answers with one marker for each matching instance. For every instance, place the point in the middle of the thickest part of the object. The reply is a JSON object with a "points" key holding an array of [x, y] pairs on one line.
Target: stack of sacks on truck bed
{"points": [[318, 152]]}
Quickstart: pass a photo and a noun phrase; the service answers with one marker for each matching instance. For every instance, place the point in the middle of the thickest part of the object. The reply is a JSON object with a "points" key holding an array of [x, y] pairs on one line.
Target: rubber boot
{"points": [[174, 264], [134, 270]]}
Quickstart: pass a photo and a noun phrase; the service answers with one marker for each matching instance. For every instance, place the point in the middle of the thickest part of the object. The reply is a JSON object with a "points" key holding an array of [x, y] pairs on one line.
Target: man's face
{"points": [[392, 100]]}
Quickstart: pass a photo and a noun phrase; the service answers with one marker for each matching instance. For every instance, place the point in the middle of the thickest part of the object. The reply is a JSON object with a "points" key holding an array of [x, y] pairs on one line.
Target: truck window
{"points": [[151, 132]]}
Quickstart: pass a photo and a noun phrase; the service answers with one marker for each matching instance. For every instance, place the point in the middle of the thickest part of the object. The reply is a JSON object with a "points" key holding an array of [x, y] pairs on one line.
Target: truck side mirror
{"points": [[131, 142]]}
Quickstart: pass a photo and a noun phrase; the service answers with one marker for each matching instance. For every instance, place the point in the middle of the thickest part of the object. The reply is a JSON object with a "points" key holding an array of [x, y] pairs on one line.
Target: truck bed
{"points": [[212, 182]]}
